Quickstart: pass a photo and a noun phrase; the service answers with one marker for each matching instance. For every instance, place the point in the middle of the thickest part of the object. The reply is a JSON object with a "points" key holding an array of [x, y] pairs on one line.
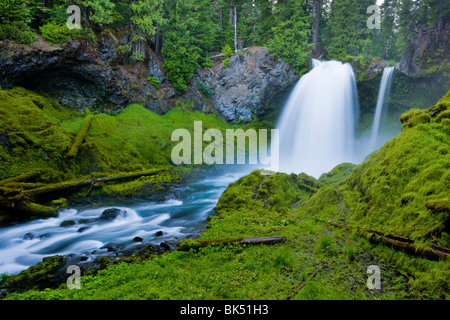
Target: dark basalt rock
{"points": [[28, 236], [67, 223], [243, 87]]}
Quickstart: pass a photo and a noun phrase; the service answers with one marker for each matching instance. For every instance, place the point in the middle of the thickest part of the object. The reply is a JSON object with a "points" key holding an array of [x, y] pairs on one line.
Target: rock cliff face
{"points": [[80, 75], [241, 89], [428, 53]]}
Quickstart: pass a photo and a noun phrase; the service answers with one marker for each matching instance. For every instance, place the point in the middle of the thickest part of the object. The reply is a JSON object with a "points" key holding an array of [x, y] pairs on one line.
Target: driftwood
{"points": [[204, 243], [439, 252], [293, 293]]}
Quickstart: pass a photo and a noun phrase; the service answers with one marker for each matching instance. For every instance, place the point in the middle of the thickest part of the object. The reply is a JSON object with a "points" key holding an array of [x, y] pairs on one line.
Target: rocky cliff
{"points": [[81, 74], [240, 90]]}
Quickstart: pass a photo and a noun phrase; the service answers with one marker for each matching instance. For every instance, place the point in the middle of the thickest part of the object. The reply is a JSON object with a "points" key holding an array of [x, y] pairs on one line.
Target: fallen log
{"points": [[392, 236], [293, 293], [23, 177], [221, 55], [81, 135], [400, 242], [263, 240], [79, 183], [186, 245]]}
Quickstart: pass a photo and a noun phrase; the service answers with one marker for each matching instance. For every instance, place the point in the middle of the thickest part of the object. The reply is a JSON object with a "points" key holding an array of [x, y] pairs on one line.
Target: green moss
{"points": [[81, 135], [39, 210], [441, 205]]}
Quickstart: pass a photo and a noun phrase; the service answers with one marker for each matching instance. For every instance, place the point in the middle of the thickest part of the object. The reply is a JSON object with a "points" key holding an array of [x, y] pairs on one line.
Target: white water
{"points": [[317, 126], [182, 216], [382, 104]]}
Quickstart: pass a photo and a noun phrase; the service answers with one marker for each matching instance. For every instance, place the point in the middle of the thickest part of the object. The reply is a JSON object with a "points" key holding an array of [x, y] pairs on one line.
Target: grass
{"points": [[401, 189], [39, 135]]}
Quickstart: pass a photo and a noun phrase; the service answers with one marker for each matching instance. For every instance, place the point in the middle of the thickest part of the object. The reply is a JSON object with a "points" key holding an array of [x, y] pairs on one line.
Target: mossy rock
{"points": [[422, 118], [442, 205]]}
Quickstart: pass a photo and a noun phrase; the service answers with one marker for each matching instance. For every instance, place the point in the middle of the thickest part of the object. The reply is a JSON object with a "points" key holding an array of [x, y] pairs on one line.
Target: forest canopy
{"points": [[188, 32]]}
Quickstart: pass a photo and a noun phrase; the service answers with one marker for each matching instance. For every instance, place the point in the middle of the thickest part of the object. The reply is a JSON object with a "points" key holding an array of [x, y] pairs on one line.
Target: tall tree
{"points": [[316, 9], [147, 17], [347, 28], [291, 35]]}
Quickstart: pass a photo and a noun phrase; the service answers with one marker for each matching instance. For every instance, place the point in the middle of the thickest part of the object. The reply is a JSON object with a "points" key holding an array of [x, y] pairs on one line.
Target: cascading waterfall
{"points": [[317, 126], [382, 103]]}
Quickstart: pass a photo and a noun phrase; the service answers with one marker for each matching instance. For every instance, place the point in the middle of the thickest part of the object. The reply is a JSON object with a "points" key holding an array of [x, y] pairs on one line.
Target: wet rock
{"points": [[82, 229], [166, 247], [67, 223], [158, 234], [84, 221], [138, 239], [28, 236], [110, 214]]}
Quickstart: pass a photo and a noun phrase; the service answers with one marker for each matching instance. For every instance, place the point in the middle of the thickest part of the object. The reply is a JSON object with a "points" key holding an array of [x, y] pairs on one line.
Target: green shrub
{"points": [[227, 53], [17, 31], [126, 48], [155, 82], [205, 89], [137, 56], [59, 33]]}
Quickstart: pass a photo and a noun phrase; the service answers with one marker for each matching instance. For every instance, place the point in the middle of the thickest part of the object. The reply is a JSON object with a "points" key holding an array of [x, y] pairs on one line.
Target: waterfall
{"points": [[382, 103], [317, 125]]}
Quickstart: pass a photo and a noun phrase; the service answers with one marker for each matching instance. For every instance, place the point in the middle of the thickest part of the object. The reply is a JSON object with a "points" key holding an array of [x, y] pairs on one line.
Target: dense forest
{"points": [[188, 32]]}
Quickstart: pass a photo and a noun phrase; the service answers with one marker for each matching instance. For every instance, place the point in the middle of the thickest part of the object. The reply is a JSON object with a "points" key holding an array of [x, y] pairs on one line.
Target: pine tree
{"points": [[347, 28], [291, 35]]}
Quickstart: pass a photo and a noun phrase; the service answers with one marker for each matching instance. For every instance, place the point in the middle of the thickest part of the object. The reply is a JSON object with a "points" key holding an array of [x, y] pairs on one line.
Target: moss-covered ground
{"points": [[43, 145], [402, 189]]}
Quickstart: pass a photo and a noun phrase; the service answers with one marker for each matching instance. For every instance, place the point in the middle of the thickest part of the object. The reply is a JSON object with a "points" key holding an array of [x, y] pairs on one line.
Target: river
{"points": [[183, 214]]}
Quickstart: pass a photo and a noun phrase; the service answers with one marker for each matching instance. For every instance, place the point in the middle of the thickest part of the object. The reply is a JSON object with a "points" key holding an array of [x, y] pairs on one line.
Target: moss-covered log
{"points": [[186, 245], [67, 186], [81, 135], [400, 242]]}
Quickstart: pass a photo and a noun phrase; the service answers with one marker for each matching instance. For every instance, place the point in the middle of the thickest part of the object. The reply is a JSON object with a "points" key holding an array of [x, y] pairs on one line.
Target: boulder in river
{"points": [[110, 214], [28, 236], [67, 223]]}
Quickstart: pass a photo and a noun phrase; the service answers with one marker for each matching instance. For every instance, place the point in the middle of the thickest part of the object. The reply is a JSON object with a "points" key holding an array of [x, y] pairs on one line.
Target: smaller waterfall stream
{"points": [[382, 103]]}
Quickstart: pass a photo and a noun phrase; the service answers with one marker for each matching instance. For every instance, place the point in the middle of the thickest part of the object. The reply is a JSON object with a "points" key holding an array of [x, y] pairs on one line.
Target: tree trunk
{"points": [[235, 30], [315, 27], [157, 40]]}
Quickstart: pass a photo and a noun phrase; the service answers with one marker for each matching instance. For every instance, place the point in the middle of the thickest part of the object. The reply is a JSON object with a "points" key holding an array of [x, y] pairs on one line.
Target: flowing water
{"points": [[317, 132], [182, 215], [382, 104], [317, 126]]}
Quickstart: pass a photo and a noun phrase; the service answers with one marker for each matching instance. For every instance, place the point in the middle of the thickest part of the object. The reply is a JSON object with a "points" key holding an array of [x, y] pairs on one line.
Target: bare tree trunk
{"points": [[235, 30], [157, 40], [315, 27]]}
